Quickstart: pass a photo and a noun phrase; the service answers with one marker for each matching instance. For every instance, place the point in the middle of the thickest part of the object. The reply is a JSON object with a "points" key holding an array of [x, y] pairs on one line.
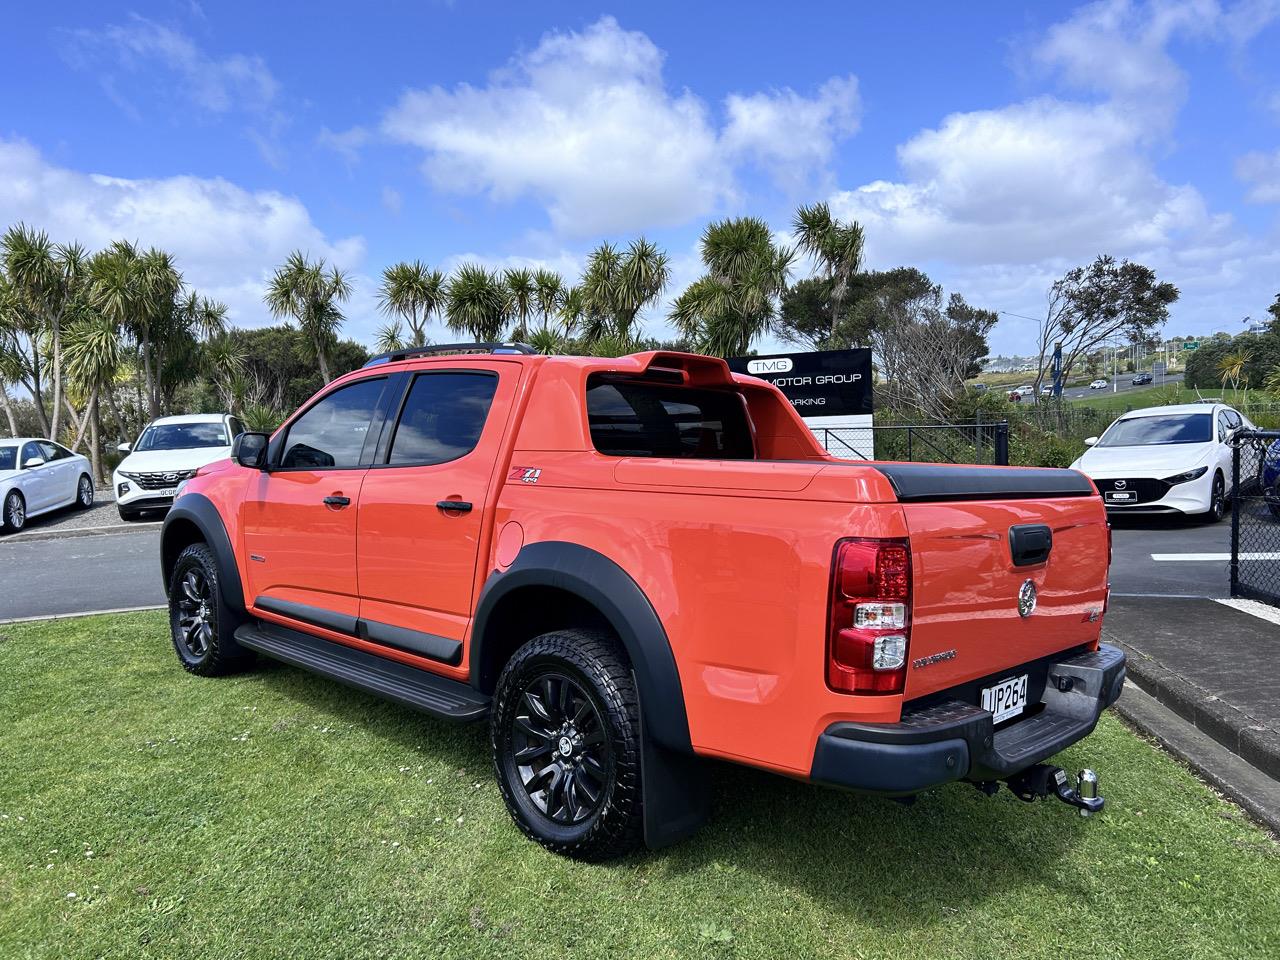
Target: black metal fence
{"points": [[1255, 516], [976, 442]]}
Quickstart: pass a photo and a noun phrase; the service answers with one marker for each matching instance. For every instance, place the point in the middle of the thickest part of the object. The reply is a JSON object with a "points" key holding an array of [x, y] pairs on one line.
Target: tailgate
{"points": [[966, 621]]}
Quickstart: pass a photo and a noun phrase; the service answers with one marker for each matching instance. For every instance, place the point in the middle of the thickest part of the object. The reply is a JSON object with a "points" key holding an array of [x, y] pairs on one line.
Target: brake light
{"points": [[869, 625]]}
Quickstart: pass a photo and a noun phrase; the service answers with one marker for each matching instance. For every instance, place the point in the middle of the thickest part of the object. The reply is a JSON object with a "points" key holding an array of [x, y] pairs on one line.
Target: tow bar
{"points": [[1044, 779]]}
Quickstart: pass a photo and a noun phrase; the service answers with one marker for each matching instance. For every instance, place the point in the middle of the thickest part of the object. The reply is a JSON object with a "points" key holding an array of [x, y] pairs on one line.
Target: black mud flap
{"points": [[674, 792]]}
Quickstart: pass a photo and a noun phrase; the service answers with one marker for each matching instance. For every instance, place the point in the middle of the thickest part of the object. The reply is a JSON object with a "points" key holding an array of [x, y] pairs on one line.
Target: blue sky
{"points": [[992, 145]]}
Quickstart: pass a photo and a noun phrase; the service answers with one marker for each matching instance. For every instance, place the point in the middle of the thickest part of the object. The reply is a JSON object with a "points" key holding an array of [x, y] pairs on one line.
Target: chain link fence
{"points": [[1255, 516]]}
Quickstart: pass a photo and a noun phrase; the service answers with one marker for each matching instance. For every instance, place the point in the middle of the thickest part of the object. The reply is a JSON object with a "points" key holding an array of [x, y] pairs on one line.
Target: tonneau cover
{"points": [[934, 482]]}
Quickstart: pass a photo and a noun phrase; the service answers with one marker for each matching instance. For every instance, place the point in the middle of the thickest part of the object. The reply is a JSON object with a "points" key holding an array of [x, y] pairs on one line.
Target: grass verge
{"points": [[148, 813]]}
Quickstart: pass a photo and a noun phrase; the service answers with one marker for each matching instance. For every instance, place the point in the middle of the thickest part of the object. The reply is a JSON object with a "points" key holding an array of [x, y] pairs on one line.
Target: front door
{"points": [[40, 486], [299, 516], [422, 507]]}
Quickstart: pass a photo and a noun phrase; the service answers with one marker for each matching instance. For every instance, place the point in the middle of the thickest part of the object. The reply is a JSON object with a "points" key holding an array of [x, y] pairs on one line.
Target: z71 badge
{"points": [[525, 474]]}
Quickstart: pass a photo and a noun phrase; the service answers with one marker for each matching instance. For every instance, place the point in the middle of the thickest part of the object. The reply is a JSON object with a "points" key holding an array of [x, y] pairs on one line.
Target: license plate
{"points": [[166, 492], [1121, 496], [1006, 699]]}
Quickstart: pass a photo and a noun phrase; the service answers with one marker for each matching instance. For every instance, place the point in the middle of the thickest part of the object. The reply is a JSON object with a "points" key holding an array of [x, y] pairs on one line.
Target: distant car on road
{"points": [[1099, 384], [1017, 393], [1174, 459], [1140, 379], [169, 451], [38, 475], [1046, 390]]}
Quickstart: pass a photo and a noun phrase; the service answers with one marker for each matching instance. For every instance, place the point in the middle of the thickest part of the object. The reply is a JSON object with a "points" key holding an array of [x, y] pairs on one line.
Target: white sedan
{"points": [[1174, 460], [37, 476], [1099, 384]]}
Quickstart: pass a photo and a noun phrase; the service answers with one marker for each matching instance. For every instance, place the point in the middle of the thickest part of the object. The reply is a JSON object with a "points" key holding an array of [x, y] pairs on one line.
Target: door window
{"points": [[51, 451], [31, 451], [1224, 425], [443, 417], [331, 434]]}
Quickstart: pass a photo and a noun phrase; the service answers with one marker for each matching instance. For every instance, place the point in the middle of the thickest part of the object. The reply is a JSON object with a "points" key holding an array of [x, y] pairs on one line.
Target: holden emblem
{"points": [[1026, 599]]}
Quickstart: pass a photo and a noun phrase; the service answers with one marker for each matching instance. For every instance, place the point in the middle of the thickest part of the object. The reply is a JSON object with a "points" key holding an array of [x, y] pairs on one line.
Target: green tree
{"points": [[476, 303], [310, 295], [736, 301], [836, 247], [413, 293], [616, 286], [549, 294], [522, 295]]}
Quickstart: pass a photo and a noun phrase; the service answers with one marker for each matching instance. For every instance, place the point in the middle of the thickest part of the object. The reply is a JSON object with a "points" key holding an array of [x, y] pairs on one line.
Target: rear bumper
{"points": [[951, 739]]}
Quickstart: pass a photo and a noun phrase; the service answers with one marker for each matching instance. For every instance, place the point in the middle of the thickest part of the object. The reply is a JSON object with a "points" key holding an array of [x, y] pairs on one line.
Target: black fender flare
{"points": [[198, 510], [597, 580]]}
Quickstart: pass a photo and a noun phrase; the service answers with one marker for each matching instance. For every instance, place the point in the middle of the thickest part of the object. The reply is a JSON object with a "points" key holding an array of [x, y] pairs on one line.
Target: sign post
{"points": [[830, 389]]}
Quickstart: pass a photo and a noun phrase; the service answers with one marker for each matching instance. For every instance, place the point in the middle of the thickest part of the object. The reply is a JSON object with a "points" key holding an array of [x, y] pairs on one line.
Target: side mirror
{"points": [[124, 447], [33, 462], [1090, 441], [250, 450]]}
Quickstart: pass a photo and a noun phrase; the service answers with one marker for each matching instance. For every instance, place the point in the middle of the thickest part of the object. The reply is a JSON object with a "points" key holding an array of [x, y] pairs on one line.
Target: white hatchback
{"points": [[38, 475], [1174, 459], [169, 450]]}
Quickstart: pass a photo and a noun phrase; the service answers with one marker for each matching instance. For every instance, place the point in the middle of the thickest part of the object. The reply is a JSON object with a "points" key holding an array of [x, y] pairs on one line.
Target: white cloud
{"points": [[219, 85], [585, 124], [225, 238], [346, 143], [1262, 171]]}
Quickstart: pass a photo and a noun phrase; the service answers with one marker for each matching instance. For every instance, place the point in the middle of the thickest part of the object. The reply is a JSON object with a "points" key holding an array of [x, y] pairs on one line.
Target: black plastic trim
{"points": [[924, 482], [1030, 543], [599, 581], [197, 509], [436, 695], [414, 641], [949, 737], [316, 616]]}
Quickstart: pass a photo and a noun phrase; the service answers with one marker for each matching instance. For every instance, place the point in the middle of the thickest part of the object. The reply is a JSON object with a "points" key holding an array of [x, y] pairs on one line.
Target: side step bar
{"points": [[438, 696]]}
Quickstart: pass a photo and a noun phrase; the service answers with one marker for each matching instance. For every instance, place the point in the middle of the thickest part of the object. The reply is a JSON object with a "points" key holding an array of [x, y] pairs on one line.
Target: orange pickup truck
{"points": [[627, 565]]}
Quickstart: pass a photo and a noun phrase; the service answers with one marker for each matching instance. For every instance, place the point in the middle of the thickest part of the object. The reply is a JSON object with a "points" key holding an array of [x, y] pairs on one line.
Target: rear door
{"points": [[299, 517], [424, 502], [64, 471]]}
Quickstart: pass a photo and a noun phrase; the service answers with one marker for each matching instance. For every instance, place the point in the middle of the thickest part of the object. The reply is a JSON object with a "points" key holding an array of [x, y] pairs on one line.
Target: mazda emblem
{"points": [[1121, 484]]}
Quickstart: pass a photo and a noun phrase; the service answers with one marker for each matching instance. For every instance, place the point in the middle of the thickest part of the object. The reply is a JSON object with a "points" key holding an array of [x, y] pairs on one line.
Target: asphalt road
{"points": [[44, 577], [1123, 386], [111, 571]]}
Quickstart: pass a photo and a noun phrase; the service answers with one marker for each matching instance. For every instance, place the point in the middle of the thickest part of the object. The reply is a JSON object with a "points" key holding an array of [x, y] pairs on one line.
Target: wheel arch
{"points": [[567, 584], [194, 519]]}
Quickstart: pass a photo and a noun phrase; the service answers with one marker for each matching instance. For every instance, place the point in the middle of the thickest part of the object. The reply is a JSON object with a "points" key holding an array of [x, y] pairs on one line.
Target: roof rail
{"points": [[440, 349]]}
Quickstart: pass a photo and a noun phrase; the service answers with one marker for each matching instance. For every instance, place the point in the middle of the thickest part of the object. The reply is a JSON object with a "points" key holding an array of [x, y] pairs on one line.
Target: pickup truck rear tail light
{"points": [[869, 625]]}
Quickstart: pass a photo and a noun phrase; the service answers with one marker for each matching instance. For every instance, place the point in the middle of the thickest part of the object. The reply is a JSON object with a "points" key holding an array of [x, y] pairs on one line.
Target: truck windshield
{"points": [[1146, 431], [183, 436], [636, 418], [8, 458]]}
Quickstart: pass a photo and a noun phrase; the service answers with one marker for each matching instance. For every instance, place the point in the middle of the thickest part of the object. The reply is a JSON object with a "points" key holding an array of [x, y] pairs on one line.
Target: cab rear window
{"points": [[638, 418]]}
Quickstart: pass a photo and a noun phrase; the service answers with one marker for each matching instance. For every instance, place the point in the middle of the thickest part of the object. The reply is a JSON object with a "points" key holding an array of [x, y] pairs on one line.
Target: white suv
{"points": [[168, 452]]}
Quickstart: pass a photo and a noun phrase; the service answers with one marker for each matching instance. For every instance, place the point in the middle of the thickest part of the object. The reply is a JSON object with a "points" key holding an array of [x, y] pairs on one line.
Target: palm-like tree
{"points": [[616, 286], [310, 294], [836, 246], [390, 337], [477, 303], [549, 294], [723, 312], [1231, 368], [572, 310], [414, 293], [94, 353], [521, 299]]}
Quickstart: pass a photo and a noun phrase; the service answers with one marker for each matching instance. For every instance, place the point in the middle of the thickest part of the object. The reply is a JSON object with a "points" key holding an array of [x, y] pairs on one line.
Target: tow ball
{"points": [[1044, 780]]}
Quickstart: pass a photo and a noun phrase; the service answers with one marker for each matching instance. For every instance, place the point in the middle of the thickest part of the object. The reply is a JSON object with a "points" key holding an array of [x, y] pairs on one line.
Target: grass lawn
{"points": [[148, 813]]}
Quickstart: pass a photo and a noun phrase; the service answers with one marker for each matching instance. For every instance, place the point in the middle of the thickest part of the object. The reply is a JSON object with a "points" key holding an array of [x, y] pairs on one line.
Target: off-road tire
{"points": [[215, 653], [594, 663]]}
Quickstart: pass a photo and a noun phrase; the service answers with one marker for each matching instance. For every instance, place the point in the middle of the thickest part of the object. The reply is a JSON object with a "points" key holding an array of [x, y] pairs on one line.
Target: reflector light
{"points": [[884, 616]]}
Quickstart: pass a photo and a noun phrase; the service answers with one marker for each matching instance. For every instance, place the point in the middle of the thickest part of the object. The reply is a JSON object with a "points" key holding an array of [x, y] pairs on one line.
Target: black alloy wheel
{"points": [[1217, 500], [195, 610], [560, 748], [200, 623]]}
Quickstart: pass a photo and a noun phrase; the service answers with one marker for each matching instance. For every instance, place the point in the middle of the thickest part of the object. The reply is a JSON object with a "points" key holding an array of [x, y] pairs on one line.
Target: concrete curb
{"points": [[56, 534], [1243, 735], [1227, 772], [85, 613]]}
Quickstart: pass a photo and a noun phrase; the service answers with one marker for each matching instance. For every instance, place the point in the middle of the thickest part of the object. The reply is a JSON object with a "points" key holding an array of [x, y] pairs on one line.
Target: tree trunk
{"points": [[8, 412], [57, 377], [115, 415], [153, 409], [81, 424], [37, 395], [324, 363], [95, 447]]}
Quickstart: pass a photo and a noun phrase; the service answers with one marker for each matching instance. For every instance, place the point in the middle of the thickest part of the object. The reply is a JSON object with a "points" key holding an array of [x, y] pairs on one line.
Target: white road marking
{"points": [[1262, 611], [83, 613], [1218, 557]]}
